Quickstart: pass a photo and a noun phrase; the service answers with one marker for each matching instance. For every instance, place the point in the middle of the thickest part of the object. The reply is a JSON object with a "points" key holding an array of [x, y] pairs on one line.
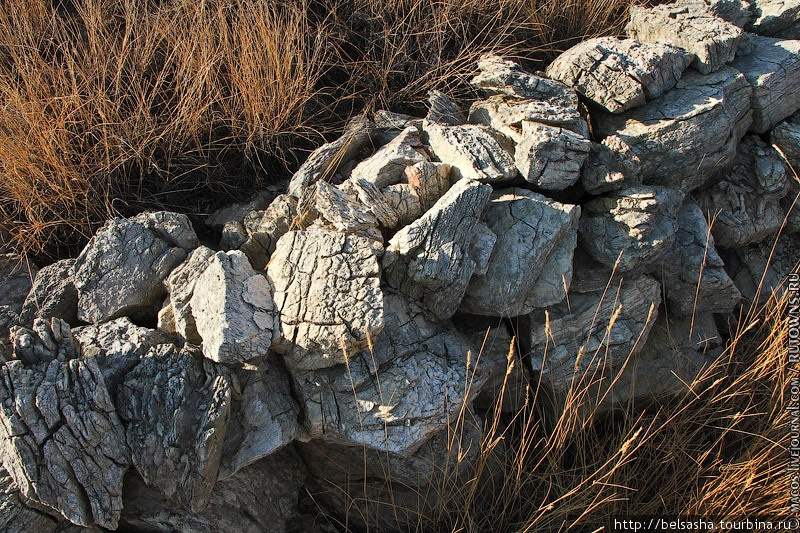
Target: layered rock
{"points": [[264, 228], [387, 165], [49, 340], [15, 517], [176, 314], [550, 157], [610, 166], [53, 295], [761, 269], [737, 12], [474, 152], [773, 16]]}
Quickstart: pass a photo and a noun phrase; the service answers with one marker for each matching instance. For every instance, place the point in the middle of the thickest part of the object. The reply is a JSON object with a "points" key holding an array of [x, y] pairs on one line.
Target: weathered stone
{"points": [[388, 125], [530, 230], [473, 151], [237, 212], [632, 228], [791, 33], [122, 268], [772, 16], [16, 278], [590, 275], [619, 74], [176, 405], [53, 295], [481, 248], [773, 70], [264, 228], [180, 285], [693, 274], [61, 439], [373, 200], [49, 340], [233, 310], [429, 259], [8, 320], [550, 157], [737, 12], [442, 110], [405, 200], [233, 235], [430, 181], [386, 166], [763, 268], [506, 114], [15, 517], [610, 166], [786, 138], [339, 211], [327, 294], [712, 40], [745, 200], [688, 133]]}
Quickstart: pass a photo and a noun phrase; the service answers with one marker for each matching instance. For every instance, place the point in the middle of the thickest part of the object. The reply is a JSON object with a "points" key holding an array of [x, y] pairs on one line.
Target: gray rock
{"points": [[693, 274], [746, 199], [61, 440], [791, 33], [386, 166], [442, 110], [530, 229], [632, 228], [330, 207], [786, 138], [8, 320], [590, 275], [237, 212], [619, 74], [430, 181], [233, 235], [373, 200], [506, 114], [710, 39], [53, 295], [773, 70], [550, 157], [610, 166], [16, 278], [264, 228], [473, 151], [122, 268], [762, 269], [49, 340], [388, 125], [176, 405], [688, 133], [176, 316], [772, 16], [327, 294], [737, 12], [429, 259], [16, 517], [404, 199], [233, 310]]}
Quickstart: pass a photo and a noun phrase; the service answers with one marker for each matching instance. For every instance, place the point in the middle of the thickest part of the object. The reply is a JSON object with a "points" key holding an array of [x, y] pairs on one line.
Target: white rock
{"points": [[473, 151]]}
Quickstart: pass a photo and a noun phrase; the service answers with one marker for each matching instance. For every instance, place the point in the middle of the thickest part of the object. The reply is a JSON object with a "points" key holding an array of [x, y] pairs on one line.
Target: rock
{"points": [[386, 166], [430, 181], [773, 16], [530, 230], [473, 151], [619, 74], [16, 279], [233, 310], [693, 275], [8, 320], [429, 259], [610, 166], [327, 294], [259, 498], [176, 316], [579, 345], [175, 406], [374, 201], [405, 201], [590, 275], [688, 133], [737, 12], [632, 228], [388, 125], [61, 439], [758, 270], [233, 235], [549, 157], [791, 33], [238, 211], [442, 110], [499, 76], [339, 211], [53, 295], [15, 517], [506, 114], [264, 228], [786, 138], [773, 70], [122, 268], [49, 340], [323, 162], [710, 39], [745, 199]]}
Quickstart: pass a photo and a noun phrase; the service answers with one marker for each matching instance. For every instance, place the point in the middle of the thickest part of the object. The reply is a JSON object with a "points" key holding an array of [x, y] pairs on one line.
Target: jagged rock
{"points": [[15, 517], [176, 316], [405, 201], [388, 125], [737, 12], [325, 160], [693, 274], [61, 439], [8, 320], [772, 16], [745, 200], [712, 40], [773, 70], [16, 279], [386, 166], [610, 166], [233, 310], [371, 198], [122, 268], [786, 137], [506, 114], [238, 211], [327, 294], [500, 76], [442, 110], [581, 344], [176, 405], [640, 222], [430, 181], [758, 270], [530, 230], [791, 33], [429, 259], [263, 419], [260, 498], [53, 294], [550, 157], [473, 151], [689, 132], [342, 213], [619, 74], [117, 346], [234, 235], [49, 340], [590, 275], [264, 228]]}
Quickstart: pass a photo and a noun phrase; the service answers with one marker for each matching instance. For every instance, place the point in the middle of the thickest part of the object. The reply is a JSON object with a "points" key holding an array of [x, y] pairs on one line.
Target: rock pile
{"points": [[348, 322]]}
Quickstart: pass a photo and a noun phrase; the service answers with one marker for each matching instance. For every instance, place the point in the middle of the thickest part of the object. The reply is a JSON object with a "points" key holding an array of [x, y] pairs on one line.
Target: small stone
{"points": [[339, 211], [442, 110], [430, 181], [387, 165]]}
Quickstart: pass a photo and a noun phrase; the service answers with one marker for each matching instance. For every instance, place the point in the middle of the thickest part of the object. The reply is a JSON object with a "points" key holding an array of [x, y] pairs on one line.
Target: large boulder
{"points": [[737, 12], [176, 314]]}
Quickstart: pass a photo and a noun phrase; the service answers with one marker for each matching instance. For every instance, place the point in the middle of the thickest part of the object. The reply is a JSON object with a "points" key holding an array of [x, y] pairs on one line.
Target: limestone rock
{"points": [[180, 285], [16, 278], [339, 211], [530, 230], [430, 181], [773, 16], [758, 271], [53, 294], [786, 137], [233, 235], [122, 268], [233, 310], [49, 340], [176, 408], [640, 222], [506, 114], [15, 517], [773, 70], [550, 157], [619, 74], [747, 196], [327, 294], [688, 133], [442, 110], [374, 201], [473, 151], [610, 166], [264, 228], [404, 199], [710, 39], [386, 166], [737, 12], [388, 125], [8, 320], [590, 275], [429, 259], [237, 212], [61, 439]]}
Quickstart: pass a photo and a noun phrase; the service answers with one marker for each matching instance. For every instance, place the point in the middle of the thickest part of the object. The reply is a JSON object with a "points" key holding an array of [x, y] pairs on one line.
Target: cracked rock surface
{"points": [[472, 150], [53, 295], [737, 12], [176, 315], [773, 16], [386, 166], [48, 340], [16, 517], [264, 228], [550, 157], [16, 278], [610, 166]]}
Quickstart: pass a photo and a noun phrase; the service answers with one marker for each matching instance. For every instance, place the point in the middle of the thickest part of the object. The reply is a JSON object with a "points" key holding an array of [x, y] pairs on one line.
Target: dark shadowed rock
{"points": [[53, 295], [16, 278]]}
